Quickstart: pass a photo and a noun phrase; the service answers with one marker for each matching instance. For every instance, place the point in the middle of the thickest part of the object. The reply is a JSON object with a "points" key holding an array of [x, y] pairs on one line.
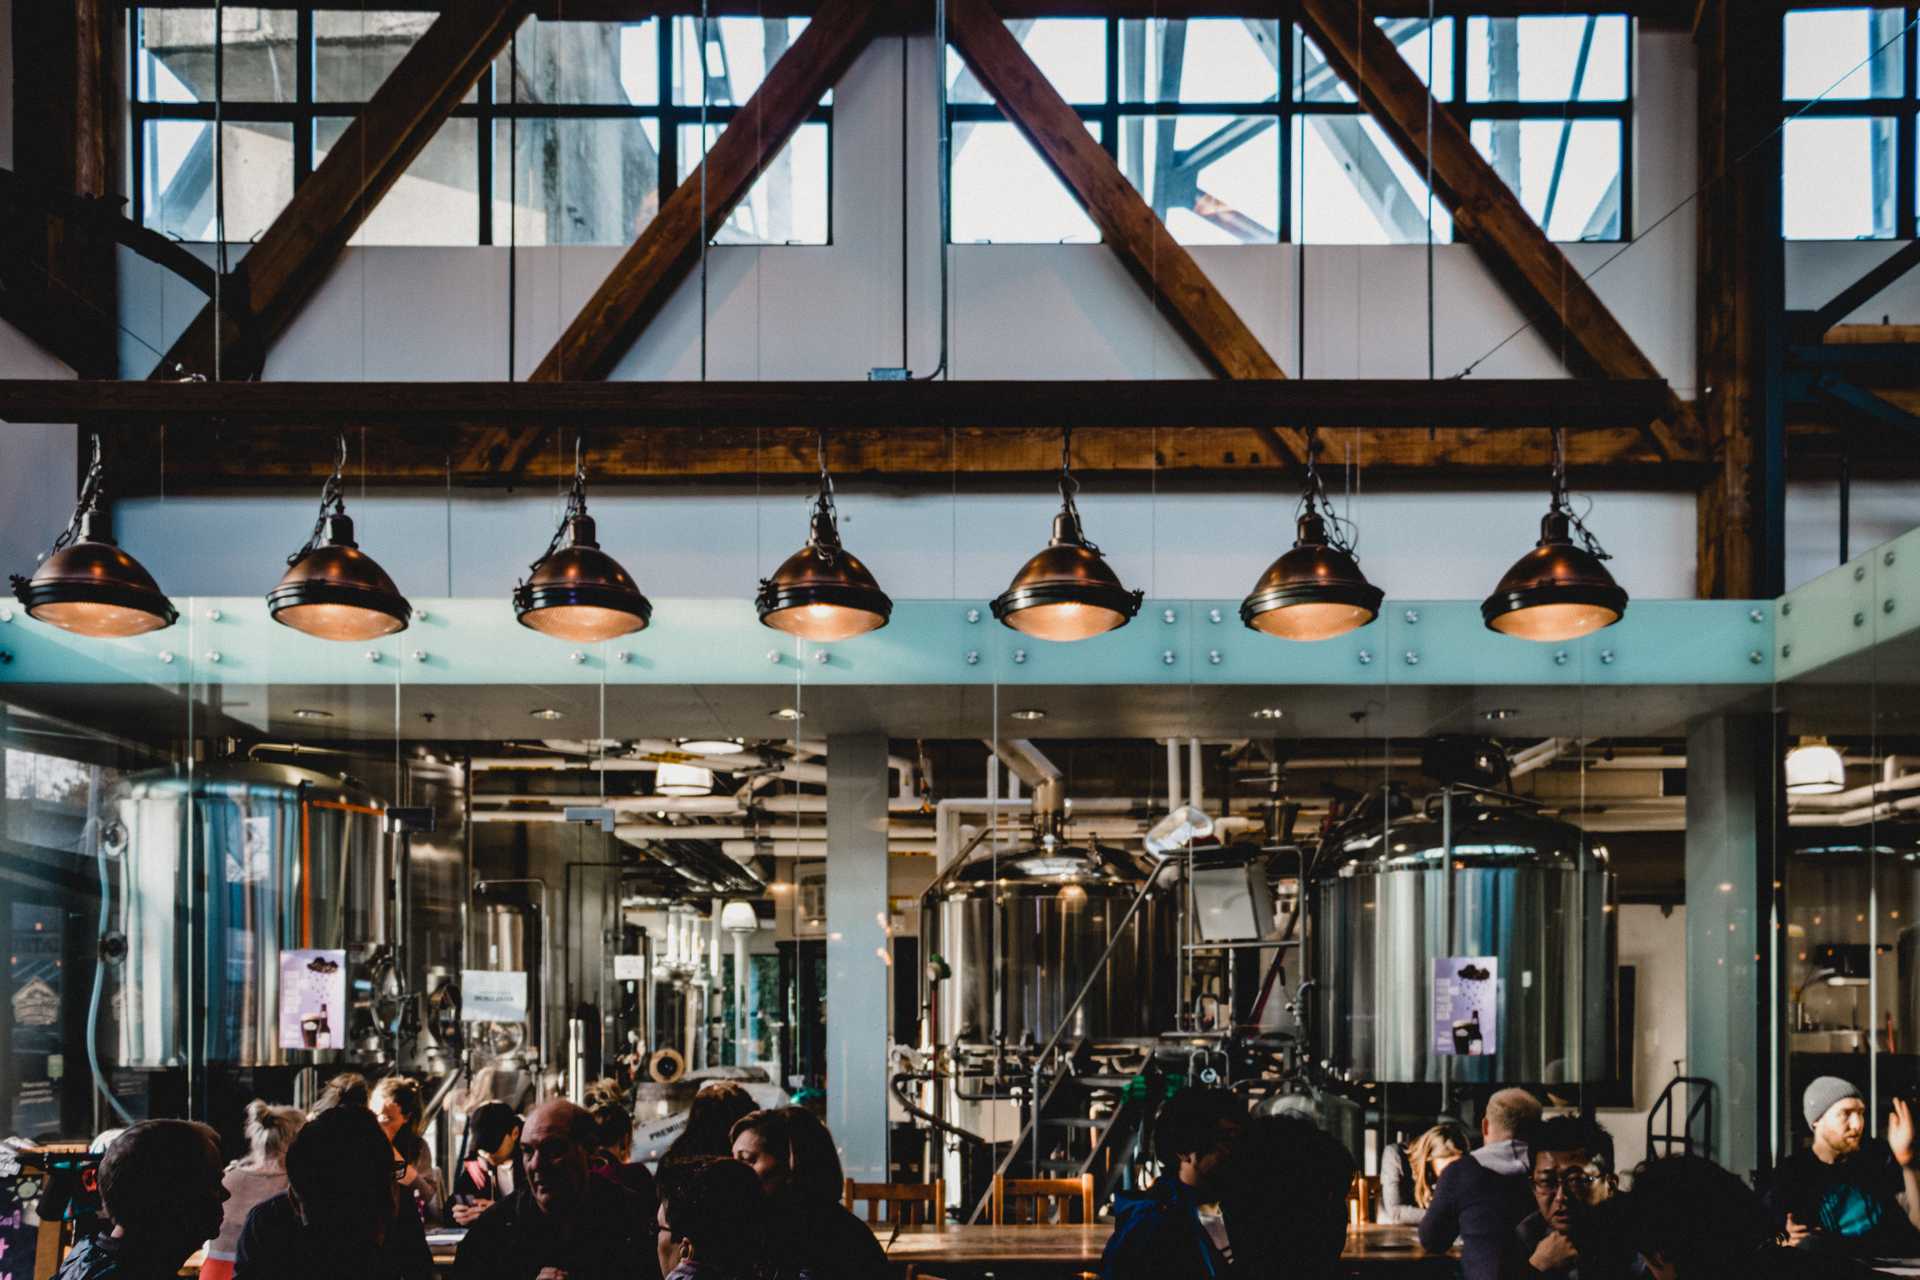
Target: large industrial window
{"points": [[1194, 113], [574, 136], [1850, 156]]}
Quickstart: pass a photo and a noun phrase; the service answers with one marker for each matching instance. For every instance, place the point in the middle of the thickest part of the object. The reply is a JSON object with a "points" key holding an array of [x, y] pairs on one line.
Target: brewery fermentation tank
{"points": [[1021, 945], [1496, 911], [217, 871]]}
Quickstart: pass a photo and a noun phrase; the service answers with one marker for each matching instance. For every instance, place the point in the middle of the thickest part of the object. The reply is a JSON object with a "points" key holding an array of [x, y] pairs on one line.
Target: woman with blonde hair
{"points": [[1407, 1178], [258, 1176]]}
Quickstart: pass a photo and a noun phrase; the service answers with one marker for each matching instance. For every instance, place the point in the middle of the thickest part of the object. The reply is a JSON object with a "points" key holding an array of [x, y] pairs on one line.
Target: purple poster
{"points": [[1465, 1005], [313, 999]]}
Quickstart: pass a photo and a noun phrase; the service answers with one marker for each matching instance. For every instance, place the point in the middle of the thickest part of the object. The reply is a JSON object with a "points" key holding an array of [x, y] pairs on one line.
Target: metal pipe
{"points": [[1173, 774], [1195, 788]]}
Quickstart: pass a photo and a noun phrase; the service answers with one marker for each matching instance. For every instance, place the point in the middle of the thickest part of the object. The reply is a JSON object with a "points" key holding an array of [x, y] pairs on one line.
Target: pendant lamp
{"points": [[87, 584], [1815, 768], [822, 592], [1561, 589], [1067, 591], [1315, 591], [575, 591], [332, 589]]}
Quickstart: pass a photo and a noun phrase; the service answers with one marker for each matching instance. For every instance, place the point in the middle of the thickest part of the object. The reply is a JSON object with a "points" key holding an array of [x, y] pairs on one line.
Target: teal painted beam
{"points": [[1871, 600], [231, 641]]}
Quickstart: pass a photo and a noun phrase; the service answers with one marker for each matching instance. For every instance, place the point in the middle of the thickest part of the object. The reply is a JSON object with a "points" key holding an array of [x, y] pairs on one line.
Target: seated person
{"points": [[613, 1151], [1285, 1194], [160, 1183], [710, 1220], [810, 1235], [397, 1103], [1177, 1230], [1407, 1176], [1480, 1199], [1689, 1219], [491, 1169], [343, 1213], [1563, 1237], [258, 1177], [564, 1219], [1846, 1193]]}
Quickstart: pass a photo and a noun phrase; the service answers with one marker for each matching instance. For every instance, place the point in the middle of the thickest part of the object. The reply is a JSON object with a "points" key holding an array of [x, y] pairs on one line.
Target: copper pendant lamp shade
{"points": [[332, 589], [823, 592], [87, 584], [1561, 589], [1068, 591], [1314, 592], [575, 591]]}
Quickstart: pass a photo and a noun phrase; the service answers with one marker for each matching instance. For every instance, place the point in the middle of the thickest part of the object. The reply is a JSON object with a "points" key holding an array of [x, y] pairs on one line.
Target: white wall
{"points": [[1655, 943]]}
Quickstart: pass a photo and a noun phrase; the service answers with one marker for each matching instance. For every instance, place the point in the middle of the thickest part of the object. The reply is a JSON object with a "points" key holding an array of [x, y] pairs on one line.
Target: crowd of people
{"points": [[346, 1188]]}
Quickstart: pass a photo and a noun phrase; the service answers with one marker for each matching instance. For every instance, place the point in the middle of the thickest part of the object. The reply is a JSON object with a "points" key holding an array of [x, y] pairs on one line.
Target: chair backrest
{"points": [[1037, 1201], [912, 1203]]}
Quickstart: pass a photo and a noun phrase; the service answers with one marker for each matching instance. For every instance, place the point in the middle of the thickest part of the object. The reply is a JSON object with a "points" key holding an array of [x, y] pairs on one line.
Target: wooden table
{"points": [[1078, 1248]]}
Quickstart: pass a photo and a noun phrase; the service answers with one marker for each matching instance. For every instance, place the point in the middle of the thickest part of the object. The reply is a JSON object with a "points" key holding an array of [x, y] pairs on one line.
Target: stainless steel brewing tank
{"points": [[1529, 892], [280, 858], [1024, 945]]}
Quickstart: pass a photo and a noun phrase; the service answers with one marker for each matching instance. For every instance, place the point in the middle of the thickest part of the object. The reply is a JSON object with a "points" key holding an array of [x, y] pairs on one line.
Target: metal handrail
{"points": [[1699, 1105]]}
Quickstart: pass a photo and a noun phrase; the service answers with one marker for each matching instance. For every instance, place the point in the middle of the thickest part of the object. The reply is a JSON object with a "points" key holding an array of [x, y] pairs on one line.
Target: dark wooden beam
{"points": [[1866, 288], [1486, 212], [1740, 309], [294, 255], [667, 251], [1128, 224]]}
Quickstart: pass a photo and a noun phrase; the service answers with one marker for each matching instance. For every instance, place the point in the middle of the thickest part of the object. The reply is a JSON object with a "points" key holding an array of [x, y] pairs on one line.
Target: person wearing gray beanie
{"points": [[1846, 1192]]}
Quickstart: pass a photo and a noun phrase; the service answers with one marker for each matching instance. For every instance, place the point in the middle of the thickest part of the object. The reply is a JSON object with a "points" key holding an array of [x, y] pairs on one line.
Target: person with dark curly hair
{"points": [[710, 1120], [711, 1220], [160, 1183]]}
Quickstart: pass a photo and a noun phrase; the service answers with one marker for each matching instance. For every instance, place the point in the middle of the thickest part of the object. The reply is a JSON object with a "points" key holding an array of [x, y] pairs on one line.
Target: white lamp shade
{"points": [[683, 780], [1815, 769], [738, 917]]}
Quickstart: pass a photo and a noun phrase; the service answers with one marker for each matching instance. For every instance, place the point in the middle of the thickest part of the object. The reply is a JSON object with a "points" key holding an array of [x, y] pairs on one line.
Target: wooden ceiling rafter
{"points": [[294, 255], [1487, 214], [1128, 224]]}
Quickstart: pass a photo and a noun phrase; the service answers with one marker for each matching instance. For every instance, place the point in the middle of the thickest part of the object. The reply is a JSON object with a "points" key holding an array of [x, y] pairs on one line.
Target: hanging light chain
{"points": [[88, 502], [576, 502], [825, 539], [330, 497], [1069, 486], [1315, 502], [1560, 501]]}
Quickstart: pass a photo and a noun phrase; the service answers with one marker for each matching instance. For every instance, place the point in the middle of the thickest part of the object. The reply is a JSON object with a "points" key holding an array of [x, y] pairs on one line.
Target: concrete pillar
{"points": [[856, 978], [1733, 1023]]}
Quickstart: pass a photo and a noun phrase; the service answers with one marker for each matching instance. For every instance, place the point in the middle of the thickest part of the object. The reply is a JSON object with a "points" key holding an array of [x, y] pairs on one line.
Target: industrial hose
{"points": [[99, 980], [920, 1113]]}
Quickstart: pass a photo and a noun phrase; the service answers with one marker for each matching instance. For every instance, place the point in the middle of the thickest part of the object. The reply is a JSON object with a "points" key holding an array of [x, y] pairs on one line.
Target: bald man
{"points": [[564, 1224], [1481, 1198]]}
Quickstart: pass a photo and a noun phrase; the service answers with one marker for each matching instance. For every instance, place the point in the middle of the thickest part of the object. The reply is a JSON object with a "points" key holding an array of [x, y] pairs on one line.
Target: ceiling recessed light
{"points": [[1268, 713], [547, 713], [311, 713], [1499, 713], [1028, 713], [788, 713]]}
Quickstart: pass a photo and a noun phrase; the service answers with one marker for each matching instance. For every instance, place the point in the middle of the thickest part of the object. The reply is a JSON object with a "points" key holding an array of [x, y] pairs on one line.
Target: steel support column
{"points": [[857, 1002]]}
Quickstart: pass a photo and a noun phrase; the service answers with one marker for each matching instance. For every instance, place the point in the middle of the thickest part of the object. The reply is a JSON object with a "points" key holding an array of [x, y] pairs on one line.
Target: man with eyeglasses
{"points": [[1558, 1238]]}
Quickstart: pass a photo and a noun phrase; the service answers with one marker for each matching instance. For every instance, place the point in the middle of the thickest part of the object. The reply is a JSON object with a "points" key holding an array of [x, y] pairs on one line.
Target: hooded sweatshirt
{"points": [[1480, 1200]]}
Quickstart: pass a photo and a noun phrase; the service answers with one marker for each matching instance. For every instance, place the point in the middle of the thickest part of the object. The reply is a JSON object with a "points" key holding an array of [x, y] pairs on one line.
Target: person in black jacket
{"points": [[1689, 1219], [709, 1223], [564, 1222], [810, 1234], [490, 1170], [342, 1213], [1285, 1198], [160, 1183], [1178, 1230], [1482, 1198], [1565, 1236]]}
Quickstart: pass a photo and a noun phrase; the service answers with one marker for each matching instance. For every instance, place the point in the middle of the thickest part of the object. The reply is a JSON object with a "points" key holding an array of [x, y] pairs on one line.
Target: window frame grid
{"points": [[1903, 110], [1287, 109], [305, 111]]}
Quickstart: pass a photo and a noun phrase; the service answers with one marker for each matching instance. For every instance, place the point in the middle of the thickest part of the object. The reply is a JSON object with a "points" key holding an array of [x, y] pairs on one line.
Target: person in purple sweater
{"points": [[1480, 1199]]}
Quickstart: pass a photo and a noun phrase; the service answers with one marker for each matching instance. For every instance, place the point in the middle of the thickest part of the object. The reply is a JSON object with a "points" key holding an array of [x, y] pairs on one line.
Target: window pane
{"points": [[1567, 173], [1351, 186], [355, 51], [1004, 193], [1315, 81], [1071, 52], [1547, 59], [1845, 53], [436, 201], [574, 181], [1839, 179], [176, 55], [1212, 179], [1203, 60], [177, 186], [738, 53], [788, 203], [581, 62]]}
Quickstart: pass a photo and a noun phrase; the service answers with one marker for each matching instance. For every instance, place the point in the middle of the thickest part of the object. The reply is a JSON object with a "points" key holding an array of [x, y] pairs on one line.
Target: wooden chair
{"points": [[1040, 1201], [912, 1203]]}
